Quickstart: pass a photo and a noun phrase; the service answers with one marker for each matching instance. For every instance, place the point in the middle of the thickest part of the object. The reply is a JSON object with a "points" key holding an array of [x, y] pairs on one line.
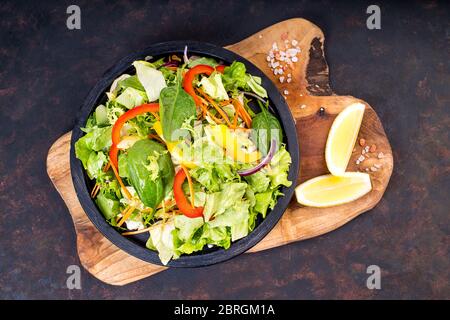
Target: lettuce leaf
{"points": [[97, 139], [263, 200], [187, 226], [234, 76], [259, 181], [151, 79], [95, 164], [213, 86], [131, 98], [255, 85], [236, 217], [161, 239], [279, 169], [203, 60], [186, 235], [108, 205], [216, 203]]}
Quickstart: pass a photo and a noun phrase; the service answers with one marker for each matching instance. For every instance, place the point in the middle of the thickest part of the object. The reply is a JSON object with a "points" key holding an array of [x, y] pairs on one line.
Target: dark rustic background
{"points": [[402, 70]]}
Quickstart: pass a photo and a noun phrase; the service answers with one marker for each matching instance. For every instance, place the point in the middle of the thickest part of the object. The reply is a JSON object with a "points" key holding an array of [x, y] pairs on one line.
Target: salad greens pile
{"points": [[177, 153]]}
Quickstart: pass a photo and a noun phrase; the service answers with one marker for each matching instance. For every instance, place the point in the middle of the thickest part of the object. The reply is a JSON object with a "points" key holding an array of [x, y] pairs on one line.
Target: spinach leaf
{"points": [[150, 171], [176, 106], [265, 128]]}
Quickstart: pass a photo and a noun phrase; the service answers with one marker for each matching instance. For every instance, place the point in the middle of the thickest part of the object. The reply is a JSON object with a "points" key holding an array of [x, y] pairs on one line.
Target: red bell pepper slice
{"points": [[182, 203], [115, 134], [190, 75]]}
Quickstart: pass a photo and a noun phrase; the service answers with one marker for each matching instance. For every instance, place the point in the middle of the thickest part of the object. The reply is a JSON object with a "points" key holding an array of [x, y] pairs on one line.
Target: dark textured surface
{"points": [[401, 70]]}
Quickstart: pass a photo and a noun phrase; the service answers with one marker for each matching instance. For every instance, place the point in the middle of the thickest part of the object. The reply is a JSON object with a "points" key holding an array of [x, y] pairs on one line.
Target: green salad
{"points": [[176, 153]]}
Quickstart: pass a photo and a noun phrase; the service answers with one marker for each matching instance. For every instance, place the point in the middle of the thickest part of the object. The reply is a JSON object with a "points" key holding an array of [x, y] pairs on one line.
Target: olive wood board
{"points": [[314, 107]]}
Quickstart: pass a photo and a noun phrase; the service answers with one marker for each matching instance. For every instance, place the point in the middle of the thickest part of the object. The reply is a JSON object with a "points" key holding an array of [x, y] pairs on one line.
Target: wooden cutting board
{"points": [[314, 107]]}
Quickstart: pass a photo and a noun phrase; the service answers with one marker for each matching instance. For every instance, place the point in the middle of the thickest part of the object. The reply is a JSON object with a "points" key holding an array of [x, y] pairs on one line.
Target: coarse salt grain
{"points": [[291, 52], [294, 59], [289, 80], [294, 42], [286, 92], [281, 79]]}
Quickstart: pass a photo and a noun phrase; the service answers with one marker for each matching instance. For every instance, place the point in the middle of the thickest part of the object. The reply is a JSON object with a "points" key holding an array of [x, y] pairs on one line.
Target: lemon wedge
{"points": [[174, 148], [342, 138], [329, 190], [236, 143]]}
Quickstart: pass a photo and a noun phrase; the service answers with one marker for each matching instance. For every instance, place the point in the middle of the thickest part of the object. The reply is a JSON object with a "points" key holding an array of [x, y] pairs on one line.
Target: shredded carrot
{"points": [[175, 57], [167, 203], [244, 114], [156, 137], [122, 185], [206, 112], [129, 233], [225, 102], [236, 115], [172, 68], [191, 185], [95, 190], [126, 214], [156, 115], [219, 109], [106, 167]]}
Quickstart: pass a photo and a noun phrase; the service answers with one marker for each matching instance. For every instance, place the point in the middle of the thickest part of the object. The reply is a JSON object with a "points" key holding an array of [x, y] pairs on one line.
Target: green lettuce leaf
{"points": [[236, 217], [131, 82], [216, 203], [131, 98], [108, 205], [161, 239], [234, 76], [95, 164], [259, 181], [279, 169], [97, 139], [151, 79], [187, 226], [218, 236], [213, 86], [263, 201], [255, 84], [187, 235], [203, 60]]}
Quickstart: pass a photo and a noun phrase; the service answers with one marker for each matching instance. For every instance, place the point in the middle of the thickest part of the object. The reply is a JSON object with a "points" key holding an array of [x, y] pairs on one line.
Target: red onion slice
{"points": [[170, 64], [185, 57], [263, 163], [254, 95]]}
